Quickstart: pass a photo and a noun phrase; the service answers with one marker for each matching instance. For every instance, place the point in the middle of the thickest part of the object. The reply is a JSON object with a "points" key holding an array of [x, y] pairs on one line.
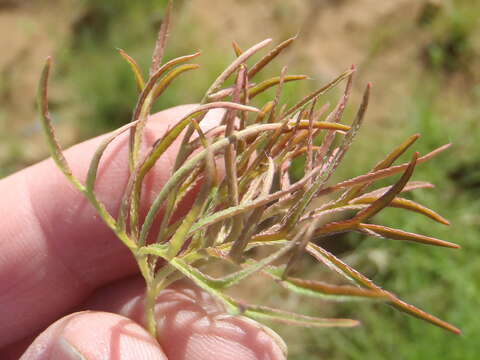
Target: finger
{"points": [[94, 335], [191, 324], [54, 248]]}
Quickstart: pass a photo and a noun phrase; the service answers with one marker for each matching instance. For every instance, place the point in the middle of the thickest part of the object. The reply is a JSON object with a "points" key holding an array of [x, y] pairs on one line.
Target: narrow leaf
{"points": [[336, 115], [316, 93], [411, 185], [406, 204], [301, 239], [380, 174], [94, 163], [266, 84], [396, 234], [143, 107], [266, 313], [304, 124], [137, 72], [163, 84], [233, 66], [297, 211], [181, 235], [386, 198], [161, 39], [270, 56], [342, 268], [253, 267], [321, 289], [47, 124], [385, 163]]}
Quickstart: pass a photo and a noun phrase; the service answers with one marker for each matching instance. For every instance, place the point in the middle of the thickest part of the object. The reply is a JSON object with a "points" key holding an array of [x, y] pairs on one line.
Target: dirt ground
{"points": [[29, 32], [382, 38]]}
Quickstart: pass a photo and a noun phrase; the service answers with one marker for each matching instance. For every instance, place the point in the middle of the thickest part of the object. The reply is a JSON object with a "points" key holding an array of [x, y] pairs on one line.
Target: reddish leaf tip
{"points": [[448, 244], [356, 323], [453, 329]]}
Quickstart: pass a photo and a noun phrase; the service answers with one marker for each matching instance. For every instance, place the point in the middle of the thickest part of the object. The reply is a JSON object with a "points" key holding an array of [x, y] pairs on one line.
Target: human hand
{"points": [[57, 257]]}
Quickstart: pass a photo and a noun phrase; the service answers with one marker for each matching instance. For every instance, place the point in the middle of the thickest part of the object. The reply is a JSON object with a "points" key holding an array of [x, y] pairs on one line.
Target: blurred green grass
{"points": [[440, 281], [437, 280]]}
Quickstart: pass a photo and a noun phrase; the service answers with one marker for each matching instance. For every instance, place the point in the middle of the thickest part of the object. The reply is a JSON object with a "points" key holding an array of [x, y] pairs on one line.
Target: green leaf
{"points": [[385, 163], [405, 204], [181, 234], [137, 72], [397, 234], [351, 274], [290, 318], [172, 75], [266, 84], [321, 289], [161, 39], [162, 145], [411, 185], [233, 66], [380, 174], [94, 163], [297, 211], [316, 93], [47, 124], [270, 56], [386, 198]]}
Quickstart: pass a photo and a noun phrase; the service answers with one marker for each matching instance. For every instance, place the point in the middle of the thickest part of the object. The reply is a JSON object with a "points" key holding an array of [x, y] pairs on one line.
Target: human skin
{"points": [[70, 290]]}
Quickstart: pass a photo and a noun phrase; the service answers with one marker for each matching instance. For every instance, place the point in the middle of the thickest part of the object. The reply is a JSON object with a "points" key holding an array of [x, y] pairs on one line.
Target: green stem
{"points": [[150, 293], [150, 297]]}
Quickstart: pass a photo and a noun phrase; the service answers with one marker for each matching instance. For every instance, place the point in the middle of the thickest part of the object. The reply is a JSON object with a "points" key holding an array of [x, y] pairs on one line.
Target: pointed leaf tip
{"points": [[397, 234]]}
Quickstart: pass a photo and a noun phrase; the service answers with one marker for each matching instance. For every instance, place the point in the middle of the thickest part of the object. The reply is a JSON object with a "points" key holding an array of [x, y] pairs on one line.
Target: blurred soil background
{"points": [[422, 57]]}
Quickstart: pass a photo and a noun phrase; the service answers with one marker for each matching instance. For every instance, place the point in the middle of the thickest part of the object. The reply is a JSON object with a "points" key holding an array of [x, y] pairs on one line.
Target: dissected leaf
{"points": [[342, 268], [388, 161], [379, 174], [260, 201], [296, 213]]}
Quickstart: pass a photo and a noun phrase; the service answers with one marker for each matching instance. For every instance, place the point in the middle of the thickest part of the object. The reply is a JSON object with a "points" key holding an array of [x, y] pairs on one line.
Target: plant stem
{"points": [[150, 297], [150, 293]]}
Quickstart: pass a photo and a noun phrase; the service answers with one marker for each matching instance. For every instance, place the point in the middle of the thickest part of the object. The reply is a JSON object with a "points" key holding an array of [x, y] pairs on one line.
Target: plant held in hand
{"points": [[256, 203]]}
